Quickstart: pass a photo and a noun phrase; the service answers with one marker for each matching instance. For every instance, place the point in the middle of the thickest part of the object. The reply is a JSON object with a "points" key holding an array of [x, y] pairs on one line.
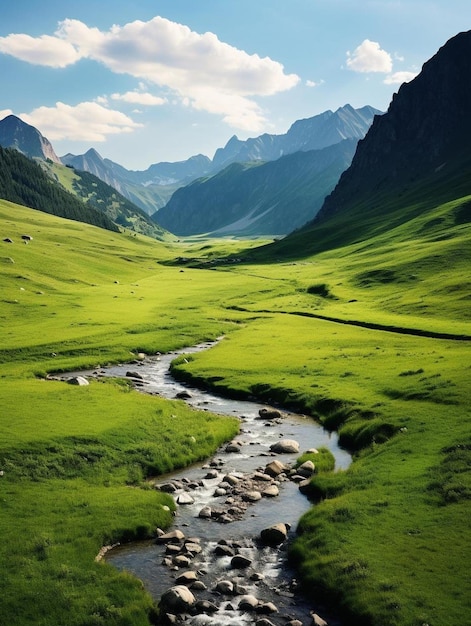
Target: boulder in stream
{"points": [[275, 468], [285, 446], [269, 414], [205, 512], [248, 603], [81, 381], [274, 535], [206, 607], [178, 599], [252, 496], [134, 375], [225, 587], [187, 578], [174, 536], [306, 469], [184, 498], [271, 492], [240, 562]]}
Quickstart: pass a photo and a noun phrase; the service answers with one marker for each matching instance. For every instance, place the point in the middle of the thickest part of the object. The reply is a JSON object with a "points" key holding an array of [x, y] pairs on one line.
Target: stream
{"points": [[265, 574]]}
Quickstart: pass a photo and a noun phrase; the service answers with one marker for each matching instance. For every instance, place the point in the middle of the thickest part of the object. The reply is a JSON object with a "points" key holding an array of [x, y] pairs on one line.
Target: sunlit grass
{"points": [[387, 541]]}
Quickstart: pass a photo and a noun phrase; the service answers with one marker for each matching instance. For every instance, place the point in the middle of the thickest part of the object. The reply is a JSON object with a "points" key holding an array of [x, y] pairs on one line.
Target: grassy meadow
{"points": [[370, 338]]}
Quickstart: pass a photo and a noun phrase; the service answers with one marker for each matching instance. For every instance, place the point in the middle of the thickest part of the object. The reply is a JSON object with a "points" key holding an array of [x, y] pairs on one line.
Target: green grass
{"points": [[387, 541]]}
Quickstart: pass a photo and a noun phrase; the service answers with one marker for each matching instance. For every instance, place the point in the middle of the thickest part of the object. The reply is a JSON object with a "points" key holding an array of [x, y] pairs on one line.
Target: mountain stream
{"points": [[264, 572]]}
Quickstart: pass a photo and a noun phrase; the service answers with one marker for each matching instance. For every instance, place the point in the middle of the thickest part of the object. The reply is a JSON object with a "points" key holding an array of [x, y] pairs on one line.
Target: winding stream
{"points": [[268, 577]]}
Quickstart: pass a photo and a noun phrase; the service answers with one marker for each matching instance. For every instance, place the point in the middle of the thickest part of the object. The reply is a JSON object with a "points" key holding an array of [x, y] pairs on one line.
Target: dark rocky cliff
{"points": [[426, 129]]}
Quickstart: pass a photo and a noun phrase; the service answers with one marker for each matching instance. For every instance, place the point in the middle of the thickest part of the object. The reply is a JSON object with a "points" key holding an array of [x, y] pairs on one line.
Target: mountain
{"points": [[14, 133], [426, 130], [248, 199], [414, 158], [98, 195], [313, 133], [149, 189], [88, 188], [279, 195], [24, 182], [152, 188]]}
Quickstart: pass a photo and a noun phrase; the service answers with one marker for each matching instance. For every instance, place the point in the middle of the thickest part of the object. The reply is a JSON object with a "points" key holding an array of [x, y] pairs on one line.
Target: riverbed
{"points": [[268, 577]]}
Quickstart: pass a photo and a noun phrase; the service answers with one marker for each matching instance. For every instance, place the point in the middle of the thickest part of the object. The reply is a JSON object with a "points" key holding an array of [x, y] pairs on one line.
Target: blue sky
{"points": [[145, 81]]}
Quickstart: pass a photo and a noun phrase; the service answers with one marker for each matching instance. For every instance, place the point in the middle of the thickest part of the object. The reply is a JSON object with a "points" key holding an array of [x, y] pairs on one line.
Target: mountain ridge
{"points": [[14, 133], [427, 125], [414, 158], [256, 199]]}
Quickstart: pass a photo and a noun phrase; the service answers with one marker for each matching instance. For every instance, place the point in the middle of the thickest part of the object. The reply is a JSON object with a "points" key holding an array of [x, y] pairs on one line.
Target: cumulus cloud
{"points": [[369, 57], [397, 78], [44, 50], [138, 97], [201, 70], [87, 121], [5, 112]]}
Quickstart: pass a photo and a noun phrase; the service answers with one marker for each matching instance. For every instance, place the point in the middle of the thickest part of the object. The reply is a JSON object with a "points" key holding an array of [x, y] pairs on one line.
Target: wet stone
{"points": [[198, 585], [223, 551], [240, 562], [225, 587], [271, 492], [248, 603], [252, 496], [187, 578], [184, 498], [267, 608], [285, 446], [212, 474], [205, 512], [263, 621], [193, 548], [205, 606], [317, 620], [174, 536]]}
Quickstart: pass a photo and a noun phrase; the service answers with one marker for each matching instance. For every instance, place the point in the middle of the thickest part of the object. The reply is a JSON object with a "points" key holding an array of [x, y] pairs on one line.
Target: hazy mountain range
{"points": [[151, 189], [295, 171]]}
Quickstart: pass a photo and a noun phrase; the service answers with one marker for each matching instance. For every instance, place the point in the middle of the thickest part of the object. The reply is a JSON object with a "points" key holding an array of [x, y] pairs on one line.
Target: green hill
{"points": [[24, 182], [104, 198]]}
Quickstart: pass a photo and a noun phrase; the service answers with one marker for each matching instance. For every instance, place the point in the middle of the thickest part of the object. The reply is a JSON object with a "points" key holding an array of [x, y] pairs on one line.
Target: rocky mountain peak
{"points": [[14, 133]]}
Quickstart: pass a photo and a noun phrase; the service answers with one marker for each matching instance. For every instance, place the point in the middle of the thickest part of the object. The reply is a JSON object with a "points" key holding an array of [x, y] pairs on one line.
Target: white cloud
{"points": [[44, 50], [87, 121], [5, 112], [397, 78], [201, 70], [369, 57], [312, 83], [137, 97]]}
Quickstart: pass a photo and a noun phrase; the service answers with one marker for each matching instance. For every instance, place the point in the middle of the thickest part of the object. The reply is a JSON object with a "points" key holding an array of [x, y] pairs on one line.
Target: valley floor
{"points": [[388, 540]]}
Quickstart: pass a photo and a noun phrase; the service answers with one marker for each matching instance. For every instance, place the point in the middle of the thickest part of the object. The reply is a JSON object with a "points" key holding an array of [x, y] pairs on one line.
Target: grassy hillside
{"points": [[23, 181], [389, 540], [100, 196]]}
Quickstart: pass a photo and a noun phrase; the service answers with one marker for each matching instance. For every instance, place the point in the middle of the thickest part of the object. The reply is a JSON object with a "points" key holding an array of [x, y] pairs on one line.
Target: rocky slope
{"points": [[14, 133], [426, 132]]}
